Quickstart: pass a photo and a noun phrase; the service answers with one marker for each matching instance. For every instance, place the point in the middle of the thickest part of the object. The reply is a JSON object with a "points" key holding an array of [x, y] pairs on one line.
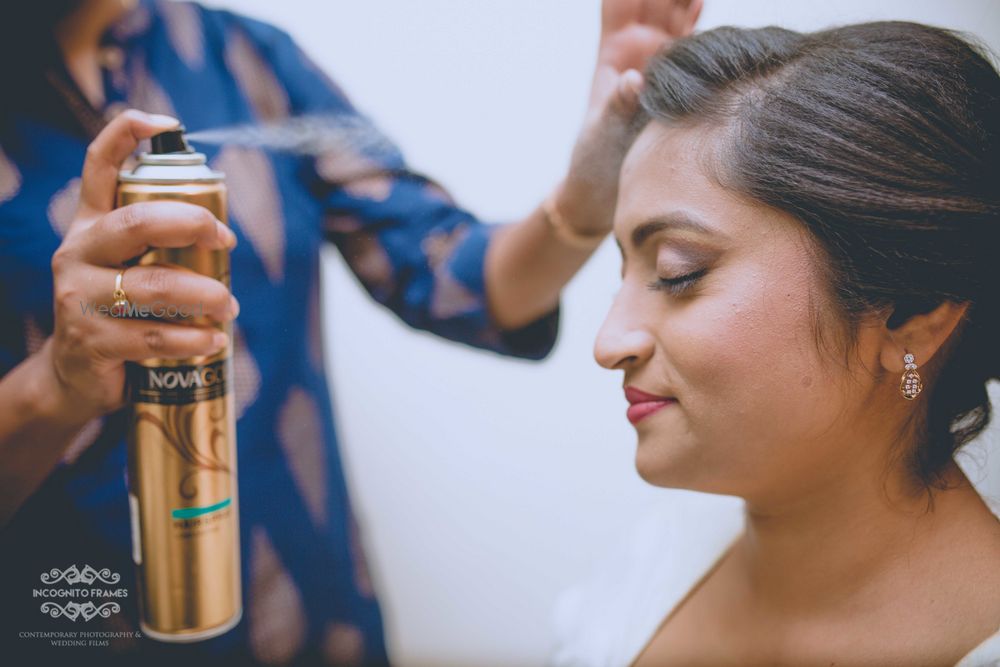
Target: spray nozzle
{"points": [[171, 141]]}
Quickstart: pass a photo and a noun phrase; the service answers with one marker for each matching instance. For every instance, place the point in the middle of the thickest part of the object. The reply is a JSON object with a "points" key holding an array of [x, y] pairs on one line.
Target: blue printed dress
{"points": [[308, 598]]}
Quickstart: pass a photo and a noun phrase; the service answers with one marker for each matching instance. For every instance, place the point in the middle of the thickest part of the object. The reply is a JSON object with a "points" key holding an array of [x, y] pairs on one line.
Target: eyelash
{"points": [[679, 284]]}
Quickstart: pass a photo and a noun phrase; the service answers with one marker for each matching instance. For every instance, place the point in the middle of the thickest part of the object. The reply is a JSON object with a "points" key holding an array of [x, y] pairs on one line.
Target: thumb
{"points": [[624, 101]]}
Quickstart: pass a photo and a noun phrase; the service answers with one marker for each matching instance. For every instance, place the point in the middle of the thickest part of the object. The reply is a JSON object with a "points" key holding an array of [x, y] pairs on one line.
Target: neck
{"points": [[845, 536]]}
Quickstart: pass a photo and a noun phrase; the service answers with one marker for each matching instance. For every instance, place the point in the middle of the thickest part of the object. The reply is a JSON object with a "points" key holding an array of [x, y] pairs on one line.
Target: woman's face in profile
{"points": [[720, 307]]}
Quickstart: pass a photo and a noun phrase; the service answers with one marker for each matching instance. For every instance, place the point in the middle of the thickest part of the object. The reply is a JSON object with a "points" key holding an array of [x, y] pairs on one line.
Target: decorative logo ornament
{"points": [[87, 584], [72, 575], [74, 610]]}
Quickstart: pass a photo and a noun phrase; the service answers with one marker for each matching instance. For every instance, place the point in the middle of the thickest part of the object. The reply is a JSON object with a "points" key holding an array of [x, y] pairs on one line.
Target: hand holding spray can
{"points": [[182, 434]]}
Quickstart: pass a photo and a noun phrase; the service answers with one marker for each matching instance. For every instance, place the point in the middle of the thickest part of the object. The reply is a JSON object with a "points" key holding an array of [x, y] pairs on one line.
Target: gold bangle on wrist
{"points": [[564, 232]]}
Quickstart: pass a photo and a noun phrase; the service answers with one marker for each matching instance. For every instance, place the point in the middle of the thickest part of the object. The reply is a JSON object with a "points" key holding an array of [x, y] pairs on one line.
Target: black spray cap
{"points": [[171, 141]]}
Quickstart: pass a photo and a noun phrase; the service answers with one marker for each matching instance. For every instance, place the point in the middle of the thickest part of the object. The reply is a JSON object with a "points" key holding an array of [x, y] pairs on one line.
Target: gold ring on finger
{"points": [[119, 305]]}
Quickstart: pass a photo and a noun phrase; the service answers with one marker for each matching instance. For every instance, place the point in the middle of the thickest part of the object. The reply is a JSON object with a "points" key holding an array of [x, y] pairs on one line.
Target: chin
{"points": [[659, 466], [672, 467]]}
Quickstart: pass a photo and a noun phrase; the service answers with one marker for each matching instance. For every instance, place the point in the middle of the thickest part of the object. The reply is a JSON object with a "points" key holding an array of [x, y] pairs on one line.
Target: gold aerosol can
{"points": [[182, 433]]}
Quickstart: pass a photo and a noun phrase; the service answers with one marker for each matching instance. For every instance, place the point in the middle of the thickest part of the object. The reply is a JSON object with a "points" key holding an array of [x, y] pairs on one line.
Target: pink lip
{"points": [[644, 404], [640, 411]]}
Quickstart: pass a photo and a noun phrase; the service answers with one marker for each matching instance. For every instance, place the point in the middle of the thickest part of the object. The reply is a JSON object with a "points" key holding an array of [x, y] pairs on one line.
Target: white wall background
{"points": [[487, 485]]}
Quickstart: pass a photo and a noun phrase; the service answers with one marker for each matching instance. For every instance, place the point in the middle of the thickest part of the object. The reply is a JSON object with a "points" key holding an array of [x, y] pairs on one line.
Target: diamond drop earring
{"points": [[910, 385]]}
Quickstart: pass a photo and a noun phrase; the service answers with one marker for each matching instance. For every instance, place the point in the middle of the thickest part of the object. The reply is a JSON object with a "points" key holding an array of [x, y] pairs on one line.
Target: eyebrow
{"points": [[679, 220]]}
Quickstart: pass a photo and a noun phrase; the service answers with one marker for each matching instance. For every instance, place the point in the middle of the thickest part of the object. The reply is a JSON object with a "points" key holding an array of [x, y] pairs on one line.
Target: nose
{"points": [[622, 341]]}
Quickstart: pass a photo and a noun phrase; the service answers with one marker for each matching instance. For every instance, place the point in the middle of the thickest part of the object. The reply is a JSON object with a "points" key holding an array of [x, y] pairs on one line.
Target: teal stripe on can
{"points": [[191, 512]]}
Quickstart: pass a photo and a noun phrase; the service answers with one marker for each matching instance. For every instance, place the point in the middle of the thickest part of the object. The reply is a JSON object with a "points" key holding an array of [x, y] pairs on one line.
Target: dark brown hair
{"points": [[883, 139]]}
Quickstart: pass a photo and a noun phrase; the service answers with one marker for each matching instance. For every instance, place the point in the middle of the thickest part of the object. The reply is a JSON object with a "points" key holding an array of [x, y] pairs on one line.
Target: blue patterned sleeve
{"points": [[413, 249]]}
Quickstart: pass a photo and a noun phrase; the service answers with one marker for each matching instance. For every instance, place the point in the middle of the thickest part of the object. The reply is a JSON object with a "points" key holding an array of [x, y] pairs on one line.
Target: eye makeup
{"points": [[679, 258], [679, 284]]}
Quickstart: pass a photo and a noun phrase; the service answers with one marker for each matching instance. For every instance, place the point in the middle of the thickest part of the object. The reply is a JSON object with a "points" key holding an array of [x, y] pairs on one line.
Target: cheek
{"points": [[746, 363]]}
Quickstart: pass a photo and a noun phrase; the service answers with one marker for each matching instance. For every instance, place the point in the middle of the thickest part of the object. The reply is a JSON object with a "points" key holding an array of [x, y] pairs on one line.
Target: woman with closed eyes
{"points": [[807, 321]]}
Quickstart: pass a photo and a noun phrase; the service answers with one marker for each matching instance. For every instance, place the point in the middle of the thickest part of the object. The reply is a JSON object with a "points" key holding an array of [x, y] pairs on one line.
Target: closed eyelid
{"points": [[679, 260], [673, 268], [677, 270], [685, 254]]}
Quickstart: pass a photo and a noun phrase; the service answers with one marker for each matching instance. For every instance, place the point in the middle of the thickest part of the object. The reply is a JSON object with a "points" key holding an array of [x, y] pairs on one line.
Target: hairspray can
{"points": [[182, 434]]}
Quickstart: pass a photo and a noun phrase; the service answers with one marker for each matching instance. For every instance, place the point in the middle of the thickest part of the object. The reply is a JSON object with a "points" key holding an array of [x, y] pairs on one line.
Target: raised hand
{"points": [[632, 31]]}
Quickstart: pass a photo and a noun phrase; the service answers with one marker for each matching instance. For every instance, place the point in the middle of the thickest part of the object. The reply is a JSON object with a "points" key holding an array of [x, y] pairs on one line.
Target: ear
{"points": [[922, 335]]}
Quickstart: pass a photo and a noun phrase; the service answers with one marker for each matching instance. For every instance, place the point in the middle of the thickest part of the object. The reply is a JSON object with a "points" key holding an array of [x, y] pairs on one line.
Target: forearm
{"points": [[36, 427], [527, 265]]}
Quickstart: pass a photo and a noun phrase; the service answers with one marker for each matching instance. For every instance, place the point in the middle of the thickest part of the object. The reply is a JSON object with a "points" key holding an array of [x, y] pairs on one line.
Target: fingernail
{"points": [[633, 80], [234, 306], [162, 119], [220, 339]]}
